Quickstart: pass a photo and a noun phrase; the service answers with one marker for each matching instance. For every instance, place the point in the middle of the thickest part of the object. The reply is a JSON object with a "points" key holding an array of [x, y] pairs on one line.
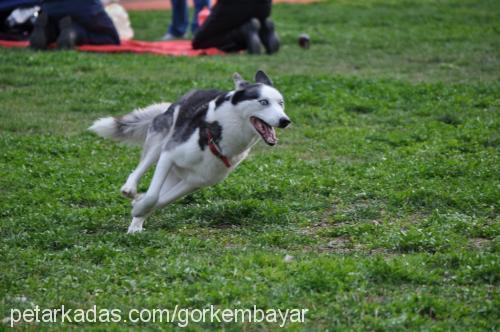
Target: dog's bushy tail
{"points": [[131, 128]]}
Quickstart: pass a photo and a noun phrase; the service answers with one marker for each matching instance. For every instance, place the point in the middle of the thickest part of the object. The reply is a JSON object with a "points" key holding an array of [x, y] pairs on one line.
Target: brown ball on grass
{"points": [[304, 41]]}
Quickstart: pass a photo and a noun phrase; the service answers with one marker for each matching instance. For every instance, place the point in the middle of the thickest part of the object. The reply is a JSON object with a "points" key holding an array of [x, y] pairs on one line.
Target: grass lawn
{"points": [[385, 191]]}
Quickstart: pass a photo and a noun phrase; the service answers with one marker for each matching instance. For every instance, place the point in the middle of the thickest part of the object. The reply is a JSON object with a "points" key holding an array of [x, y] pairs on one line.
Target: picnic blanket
{"points": [[173, 47]]}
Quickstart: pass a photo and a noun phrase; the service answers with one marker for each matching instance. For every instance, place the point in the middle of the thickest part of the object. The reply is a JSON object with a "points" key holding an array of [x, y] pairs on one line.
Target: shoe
{"points": [[67, 36], [269, 38], [250, 32], [169, 36], [38, 38]]}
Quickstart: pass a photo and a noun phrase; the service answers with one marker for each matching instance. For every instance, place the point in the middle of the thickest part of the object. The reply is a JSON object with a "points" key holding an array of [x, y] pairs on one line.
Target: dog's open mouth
{"points": [[265, 131]]}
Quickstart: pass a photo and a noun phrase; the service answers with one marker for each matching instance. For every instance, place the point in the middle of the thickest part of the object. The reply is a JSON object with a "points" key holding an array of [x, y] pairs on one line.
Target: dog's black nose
{"points": [[284, 122]]}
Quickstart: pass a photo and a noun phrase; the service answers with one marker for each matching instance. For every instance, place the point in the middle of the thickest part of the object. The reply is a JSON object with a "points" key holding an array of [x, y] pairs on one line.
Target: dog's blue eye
{"points": [[264, 102]]}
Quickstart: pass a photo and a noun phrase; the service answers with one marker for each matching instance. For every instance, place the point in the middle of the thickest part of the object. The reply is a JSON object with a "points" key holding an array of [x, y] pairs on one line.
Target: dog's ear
{"points": [[239, 82], [261, 77]]}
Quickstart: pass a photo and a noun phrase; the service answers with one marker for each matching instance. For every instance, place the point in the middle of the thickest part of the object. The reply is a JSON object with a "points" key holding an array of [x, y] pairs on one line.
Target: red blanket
{"points": [[174, 47]]}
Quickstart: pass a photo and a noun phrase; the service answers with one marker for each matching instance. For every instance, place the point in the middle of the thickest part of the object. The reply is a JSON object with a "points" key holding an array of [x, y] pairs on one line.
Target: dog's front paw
{"points": [[129, 191], [135, 225]]}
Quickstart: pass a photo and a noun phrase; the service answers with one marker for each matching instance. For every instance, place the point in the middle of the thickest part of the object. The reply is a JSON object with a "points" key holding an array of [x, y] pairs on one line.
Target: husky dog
{"points": [[197, 141]]}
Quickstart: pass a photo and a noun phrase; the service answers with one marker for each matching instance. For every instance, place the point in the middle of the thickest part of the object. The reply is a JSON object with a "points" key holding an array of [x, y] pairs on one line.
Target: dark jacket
{"points": [[71, 7]]}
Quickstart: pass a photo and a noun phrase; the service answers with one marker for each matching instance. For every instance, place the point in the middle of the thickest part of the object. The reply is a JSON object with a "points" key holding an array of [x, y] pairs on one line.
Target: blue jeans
{"points": [[180, 16]]}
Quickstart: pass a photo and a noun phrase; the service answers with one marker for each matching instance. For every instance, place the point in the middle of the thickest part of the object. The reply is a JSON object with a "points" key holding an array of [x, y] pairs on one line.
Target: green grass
{"points": [[385, 191]]}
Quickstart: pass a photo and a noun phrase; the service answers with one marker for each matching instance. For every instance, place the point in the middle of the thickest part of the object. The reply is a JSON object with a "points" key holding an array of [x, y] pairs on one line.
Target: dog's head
{"points": [[261, 105]]}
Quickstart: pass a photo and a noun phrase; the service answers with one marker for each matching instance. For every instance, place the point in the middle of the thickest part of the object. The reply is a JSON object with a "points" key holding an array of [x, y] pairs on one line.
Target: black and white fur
{"points": [[175, 137]]}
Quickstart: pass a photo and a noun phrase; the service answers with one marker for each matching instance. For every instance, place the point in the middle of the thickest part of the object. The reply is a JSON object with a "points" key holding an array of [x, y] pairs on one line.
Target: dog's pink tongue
{"points": [[270, 135], [267, 132]]}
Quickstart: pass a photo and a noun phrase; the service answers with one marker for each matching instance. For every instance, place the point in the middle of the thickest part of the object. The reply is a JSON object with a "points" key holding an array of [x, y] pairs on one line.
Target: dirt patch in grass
{"points": [[479, 243]]}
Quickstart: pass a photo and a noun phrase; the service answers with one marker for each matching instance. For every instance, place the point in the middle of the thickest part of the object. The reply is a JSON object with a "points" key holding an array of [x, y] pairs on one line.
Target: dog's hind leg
{"points": [[150, 155]]}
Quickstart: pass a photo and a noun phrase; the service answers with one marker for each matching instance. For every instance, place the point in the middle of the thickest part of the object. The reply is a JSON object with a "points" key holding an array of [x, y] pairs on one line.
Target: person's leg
{"points": [[180, 18], [222, 18], [198, 6], [71, 34], [229, 28], [267, 32], [95, 29], [44, 31]]}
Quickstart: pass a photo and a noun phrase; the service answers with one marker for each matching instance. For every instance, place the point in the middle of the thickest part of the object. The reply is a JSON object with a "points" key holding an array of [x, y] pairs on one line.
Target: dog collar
{"points": [[215, 149]]}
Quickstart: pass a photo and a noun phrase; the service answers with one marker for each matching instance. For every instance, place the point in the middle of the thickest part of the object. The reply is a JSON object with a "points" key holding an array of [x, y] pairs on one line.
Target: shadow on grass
{"points": [[251, 214]]}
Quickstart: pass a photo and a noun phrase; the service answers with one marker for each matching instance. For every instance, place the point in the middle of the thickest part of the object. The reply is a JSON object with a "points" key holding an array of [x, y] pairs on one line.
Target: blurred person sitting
{"points": [[72, 22], [180, 18], [17, 18], [235, 25]]}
